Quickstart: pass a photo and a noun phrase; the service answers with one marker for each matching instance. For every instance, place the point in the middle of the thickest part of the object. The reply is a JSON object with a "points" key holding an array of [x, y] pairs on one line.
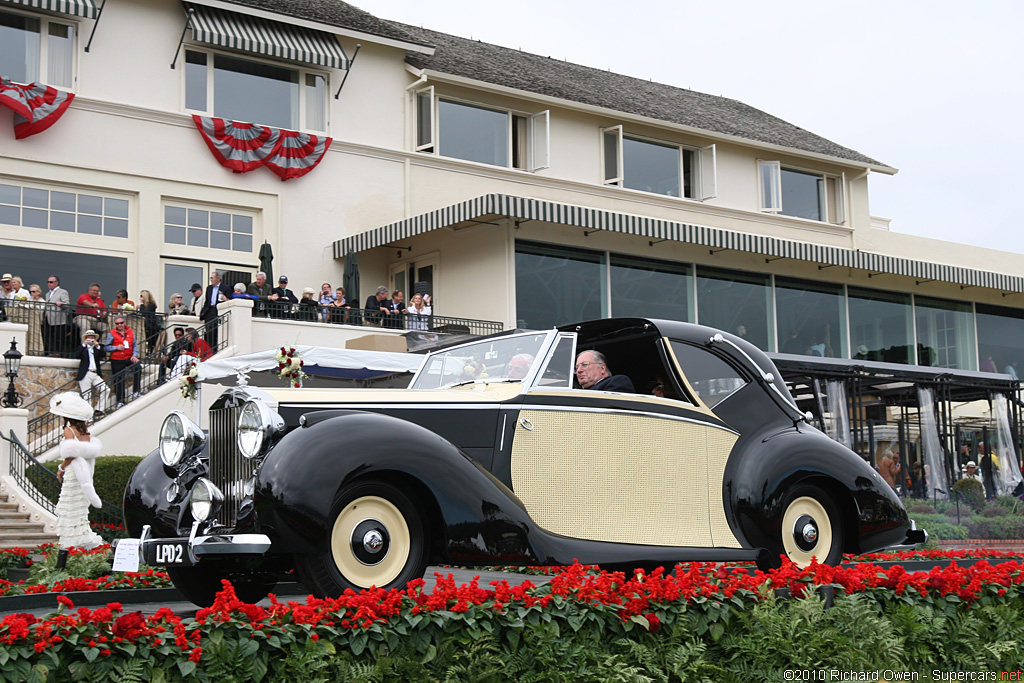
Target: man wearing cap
{"points": [[283, 299], [92, 311], [90, 373], [56, 316], [972, 472], [124, 353], [197, 298], [12, 288]]}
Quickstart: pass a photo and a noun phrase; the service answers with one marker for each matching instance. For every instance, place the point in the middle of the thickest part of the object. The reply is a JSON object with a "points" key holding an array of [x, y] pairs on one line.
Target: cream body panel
{"points": [[623, 478], [330, 398]]}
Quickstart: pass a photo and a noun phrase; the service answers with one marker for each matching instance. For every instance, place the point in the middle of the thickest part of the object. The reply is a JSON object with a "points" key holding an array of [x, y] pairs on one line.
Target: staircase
{"points": [[16, 531]]}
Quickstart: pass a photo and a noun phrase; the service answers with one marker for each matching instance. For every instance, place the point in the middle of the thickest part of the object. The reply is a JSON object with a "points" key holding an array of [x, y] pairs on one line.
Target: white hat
{"points": [[90, 333], [71, 405], [971, 463]]}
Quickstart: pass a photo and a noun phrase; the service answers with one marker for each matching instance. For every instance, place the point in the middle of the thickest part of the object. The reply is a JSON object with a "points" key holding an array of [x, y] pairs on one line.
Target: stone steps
{"points": [[16, 531]]}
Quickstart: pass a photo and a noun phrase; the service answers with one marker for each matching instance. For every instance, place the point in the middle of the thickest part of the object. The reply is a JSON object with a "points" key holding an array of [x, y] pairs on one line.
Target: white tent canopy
{"points": [[373, 361]]}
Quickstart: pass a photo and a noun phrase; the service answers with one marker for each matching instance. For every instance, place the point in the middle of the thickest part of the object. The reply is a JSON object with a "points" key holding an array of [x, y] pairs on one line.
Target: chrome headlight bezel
{"points": [[180, 439], [257, 424], [205, 500]]}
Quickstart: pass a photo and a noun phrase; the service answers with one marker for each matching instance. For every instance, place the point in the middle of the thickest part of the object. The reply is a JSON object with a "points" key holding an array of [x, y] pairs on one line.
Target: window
{"points": [[736, 302], [238, 89], [945, 333], [557, 285], [52, 209], [36, 49], [1000, 339], [487, 135], [709, 375], [800, 193], [811, 317], [644, 287], [656, 166], [881, 325], [197, 227]]}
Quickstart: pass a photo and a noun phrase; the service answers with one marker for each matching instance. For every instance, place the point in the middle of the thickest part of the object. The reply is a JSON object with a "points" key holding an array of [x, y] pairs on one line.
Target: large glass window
{"points": [[736, 302], [658, 167], [483, 134], [811, 317], [801, 193], [1000, 339], [53, 209], [648, 288], [76, 270], [945, 333], [197, 227], [881, 327], [34, 49], [555, 286], [255, 92]]}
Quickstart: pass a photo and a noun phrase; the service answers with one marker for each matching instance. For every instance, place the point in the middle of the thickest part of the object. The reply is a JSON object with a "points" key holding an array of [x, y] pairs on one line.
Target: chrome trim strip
{"points": [[620, 411], [504, 421], [418, 406]]}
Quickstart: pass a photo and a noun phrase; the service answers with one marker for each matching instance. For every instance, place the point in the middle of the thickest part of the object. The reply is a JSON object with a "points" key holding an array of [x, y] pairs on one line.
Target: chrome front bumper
{"points": [[915, 537], [172, 552]]}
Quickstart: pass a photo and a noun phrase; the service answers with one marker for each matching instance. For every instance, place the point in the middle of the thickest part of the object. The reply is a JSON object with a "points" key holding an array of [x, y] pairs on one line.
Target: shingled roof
{"points": [[503, 66]]}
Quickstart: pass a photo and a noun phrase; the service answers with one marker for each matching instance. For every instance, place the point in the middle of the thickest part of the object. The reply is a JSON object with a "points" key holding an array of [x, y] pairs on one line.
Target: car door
{"points": [[622, 468]]}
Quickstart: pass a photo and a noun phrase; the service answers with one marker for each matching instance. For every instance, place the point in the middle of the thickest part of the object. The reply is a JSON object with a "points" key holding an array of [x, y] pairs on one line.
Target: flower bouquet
{"points": [[289, 366], [127, 308], [189, 381]]}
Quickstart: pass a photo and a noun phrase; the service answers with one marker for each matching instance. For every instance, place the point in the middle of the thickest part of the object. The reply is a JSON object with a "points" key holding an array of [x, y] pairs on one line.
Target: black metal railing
{"points": [[164, 364], [57, 330], [314, 312], [43, 486]]}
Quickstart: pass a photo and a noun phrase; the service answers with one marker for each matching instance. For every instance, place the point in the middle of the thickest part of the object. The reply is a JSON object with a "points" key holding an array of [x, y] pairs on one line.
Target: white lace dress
{"points": [[77, 493]]}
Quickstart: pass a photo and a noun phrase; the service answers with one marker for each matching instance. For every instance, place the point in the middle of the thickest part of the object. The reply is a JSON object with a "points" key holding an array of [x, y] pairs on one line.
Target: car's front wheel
{"points": [[811, 527], [377, 538]]}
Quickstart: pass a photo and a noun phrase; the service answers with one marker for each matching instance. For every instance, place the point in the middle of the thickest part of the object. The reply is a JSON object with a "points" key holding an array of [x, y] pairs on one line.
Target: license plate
{"points": [[167, 553]]}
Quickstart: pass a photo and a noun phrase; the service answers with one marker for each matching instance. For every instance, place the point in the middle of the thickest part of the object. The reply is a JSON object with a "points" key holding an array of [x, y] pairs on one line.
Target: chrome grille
{"points": [[228, 469]]}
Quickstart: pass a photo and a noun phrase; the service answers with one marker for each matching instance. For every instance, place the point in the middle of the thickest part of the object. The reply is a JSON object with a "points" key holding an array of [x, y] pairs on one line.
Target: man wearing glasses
{"points": [[124, 353], [592, 373], [56, 316]]}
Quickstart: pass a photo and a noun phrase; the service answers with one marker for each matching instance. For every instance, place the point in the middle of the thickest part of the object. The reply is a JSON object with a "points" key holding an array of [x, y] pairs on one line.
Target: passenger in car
{"points": [[592, 373]]}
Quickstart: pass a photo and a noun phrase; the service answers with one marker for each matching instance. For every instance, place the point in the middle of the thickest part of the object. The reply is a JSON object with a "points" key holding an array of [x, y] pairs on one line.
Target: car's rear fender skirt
{"points": [[471, 515]]}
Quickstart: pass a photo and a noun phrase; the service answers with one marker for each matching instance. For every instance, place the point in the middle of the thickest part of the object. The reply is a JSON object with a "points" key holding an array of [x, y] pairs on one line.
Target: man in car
{"points": [[592, 373], [519, 366]]}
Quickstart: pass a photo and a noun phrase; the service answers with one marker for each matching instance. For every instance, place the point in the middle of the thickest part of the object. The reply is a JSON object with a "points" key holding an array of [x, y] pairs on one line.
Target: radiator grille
{"points": [[228, 469]]}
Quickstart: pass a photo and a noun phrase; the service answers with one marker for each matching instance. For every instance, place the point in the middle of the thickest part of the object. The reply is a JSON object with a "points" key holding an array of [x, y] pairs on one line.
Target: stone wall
{"points": [[35, 381]]}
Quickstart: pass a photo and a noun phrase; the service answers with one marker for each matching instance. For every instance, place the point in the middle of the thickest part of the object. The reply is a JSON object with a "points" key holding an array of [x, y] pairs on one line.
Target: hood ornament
{"points": [[242, 375]]}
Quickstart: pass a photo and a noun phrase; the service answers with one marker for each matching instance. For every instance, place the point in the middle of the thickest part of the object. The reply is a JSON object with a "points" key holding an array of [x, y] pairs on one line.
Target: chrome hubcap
{"points": [[805, 532], [373, 541]]}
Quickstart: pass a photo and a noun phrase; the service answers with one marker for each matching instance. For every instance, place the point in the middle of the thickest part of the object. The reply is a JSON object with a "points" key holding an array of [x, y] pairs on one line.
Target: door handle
{"points": [[526, 424]]}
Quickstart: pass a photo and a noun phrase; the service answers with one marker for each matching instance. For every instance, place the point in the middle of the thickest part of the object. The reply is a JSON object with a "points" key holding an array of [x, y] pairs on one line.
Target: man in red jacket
{"points": [[124, 353], [92, 312]]}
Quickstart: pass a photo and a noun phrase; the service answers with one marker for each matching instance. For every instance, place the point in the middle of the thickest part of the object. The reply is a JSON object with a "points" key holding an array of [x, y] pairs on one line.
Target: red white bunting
{"points": [[36, 107], [243, 147]]}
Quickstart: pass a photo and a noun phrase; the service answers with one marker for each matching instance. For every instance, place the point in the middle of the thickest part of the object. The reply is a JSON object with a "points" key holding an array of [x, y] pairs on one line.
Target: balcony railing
{"points": [[374, 318], [57, 330], [153, 370]]}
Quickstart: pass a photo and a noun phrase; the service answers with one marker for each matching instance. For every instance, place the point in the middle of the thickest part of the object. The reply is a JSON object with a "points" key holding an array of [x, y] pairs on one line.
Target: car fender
{"points": [[157, 495], [756, 486], [471, 515]]}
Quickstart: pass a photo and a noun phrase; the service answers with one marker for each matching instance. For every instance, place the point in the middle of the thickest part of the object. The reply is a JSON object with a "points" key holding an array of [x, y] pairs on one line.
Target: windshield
{"points": [[509, 359]]}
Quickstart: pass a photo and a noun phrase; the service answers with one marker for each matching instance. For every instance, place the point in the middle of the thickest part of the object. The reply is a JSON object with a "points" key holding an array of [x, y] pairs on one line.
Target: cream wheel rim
{"points": [[806, 531], [370, 542]]}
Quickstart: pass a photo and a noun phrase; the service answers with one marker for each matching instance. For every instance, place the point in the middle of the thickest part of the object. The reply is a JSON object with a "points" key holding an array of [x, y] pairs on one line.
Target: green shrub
{"points": [[973, 491], [110, 478], [995, 527], [995, 511], [922, 509], [940, 528]]}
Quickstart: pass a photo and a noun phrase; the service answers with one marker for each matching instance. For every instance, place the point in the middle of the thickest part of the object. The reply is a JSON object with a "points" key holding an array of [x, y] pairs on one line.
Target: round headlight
{"points": [[180, 438], [256, 425], [206, 499]]}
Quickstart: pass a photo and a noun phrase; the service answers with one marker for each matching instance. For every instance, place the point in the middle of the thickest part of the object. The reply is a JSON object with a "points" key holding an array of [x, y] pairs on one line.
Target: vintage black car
{"points": [[493, 455]]}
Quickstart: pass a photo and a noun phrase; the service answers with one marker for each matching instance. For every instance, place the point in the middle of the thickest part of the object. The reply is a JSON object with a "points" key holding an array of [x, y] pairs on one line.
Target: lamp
{"points": [[12, 363]]}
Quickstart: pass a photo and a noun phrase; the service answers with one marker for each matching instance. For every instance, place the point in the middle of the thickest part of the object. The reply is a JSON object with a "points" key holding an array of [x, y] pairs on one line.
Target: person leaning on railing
{"points": [[56, 318], [91, 311]]}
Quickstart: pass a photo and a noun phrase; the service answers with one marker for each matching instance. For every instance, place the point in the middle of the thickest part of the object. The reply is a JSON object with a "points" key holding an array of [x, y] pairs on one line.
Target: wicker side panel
{"points": [[614, 477], [720, 443]]}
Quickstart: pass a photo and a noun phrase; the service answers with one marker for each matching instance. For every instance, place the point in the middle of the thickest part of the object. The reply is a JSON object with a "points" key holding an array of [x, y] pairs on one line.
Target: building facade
{"points": [[513, 187]]}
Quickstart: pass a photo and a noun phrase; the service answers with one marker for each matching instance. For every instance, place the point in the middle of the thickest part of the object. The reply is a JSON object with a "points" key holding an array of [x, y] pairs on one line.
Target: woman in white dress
{"points": [[418, 313], [79, 451]]}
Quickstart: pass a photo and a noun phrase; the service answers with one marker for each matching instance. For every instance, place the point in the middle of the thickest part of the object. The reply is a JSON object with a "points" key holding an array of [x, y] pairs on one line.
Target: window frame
{"points": [[208, 253], [536, 154], [301, 69], [43, 56], [104, 195], [703, 172], [769, 189]]}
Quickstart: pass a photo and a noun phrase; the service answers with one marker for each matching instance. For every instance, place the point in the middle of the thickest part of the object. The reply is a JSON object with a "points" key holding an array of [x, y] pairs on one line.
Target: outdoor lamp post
{"points": [[12, 363]]}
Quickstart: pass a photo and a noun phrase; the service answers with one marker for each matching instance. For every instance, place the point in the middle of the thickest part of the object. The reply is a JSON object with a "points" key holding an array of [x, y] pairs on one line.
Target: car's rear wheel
{"points": [[377, 538], [811, 527]]}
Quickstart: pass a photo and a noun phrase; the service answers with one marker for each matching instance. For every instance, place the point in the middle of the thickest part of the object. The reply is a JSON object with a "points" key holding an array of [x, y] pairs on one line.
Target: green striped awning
{"points": [[265, 37], [76, 8], [657, 229]]}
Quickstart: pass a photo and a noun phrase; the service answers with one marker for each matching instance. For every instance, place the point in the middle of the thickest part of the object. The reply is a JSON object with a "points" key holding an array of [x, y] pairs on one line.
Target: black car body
{"points": [[482, 463]]}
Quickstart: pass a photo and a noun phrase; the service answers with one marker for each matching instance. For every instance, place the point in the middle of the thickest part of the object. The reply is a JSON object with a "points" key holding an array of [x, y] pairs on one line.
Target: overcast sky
{"points": [[933, 88]]}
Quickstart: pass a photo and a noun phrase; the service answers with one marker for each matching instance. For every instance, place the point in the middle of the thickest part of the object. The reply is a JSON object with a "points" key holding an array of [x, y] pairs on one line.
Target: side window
{"points": [[558, 372], [710, 376]]}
